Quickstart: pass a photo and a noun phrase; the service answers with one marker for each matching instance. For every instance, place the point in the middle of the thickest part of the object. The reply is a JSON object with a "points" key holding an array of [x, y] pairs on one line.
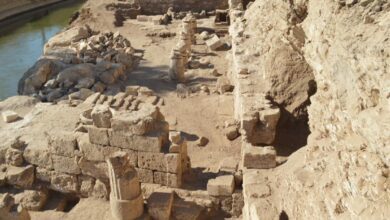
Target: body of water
{"points": [[21, 46]]}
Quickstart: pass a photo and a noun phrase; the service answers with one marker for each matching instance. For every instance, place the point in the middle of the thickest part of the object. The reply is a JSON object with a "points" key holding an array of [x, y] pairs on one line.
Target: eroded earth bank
{"points": [[265, 109]]}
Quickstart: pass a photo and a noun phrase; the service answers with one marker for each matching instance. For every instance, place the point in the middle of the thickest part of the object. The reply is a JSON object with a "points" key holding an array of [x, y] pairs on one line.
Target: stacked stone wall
{"points": [[162, 6]]}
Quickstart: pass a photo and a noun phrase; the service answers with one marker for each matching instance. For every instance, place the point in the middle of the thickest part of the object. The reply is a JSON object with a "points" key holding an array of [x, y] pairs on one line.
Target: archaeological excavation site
{"points": [[194, 109]]}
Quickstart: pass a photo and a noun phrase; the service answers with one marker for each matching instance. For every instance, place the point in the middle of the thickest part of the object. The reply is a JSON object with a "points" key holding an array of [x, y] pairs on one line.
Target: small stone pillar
{"points": [[185, 42], [190, 26], [177, 66], [126, 199]]}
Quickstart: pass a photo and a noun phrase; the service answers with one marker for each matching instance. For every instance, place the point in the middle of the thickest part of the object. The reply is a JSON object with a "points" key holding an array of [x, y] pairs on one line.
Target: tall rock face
{"points": [[343, 172], [349, 49]]}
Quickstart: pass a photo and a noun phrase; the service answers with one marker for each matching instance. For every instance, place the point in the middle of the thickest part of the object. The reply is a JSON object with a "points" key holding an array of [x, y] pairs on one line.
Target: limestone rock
{"points": [[64, 183], [20, 176], [14, 157], [223, 85], [63, 144], [160, 205], [259, 157], [203, 141], [221, 186], [10, 116], [229, 164], [32, 200], [214, 43]]}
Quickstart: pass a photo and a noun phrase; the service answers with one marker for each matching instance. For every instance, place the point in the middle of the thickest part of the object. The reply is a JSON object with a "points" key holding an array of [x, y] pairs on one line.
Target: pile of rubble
{"points": [[83, 45], [79, 61]]}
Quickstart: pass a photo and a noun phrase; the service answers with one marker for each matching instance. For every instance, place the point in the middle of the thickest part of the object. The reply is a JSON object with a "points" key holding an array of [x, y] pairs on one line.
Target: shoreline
{"points": [[29, 12]]}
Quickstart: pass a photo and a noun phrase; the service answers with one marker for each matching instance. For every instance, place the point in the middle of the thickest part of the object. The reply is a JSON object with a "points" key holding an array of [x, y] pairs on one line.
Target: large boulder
{"points": [[75, 74], [38, 75]]}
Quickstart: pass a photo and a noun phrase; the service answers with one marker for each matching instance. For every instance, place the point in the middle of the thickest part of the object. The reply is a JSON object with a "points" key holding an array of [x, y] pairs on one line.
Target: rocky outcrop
{"points": [[343, 171]]}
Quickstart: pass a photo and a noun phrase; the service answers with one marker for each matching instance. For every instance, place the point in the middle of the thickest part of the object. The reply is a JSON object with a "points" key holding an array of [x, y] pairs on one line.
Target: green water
{"points": [[23, 45]]}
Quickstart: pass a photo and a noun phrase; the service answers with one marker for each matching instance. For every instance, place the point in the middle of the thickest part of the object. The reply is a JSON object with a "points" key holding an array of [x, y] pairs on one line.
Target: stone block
{"points": [[150, 143], [86, 184], [270, 117], [144, 175], [260, 126], [10, 116], [14, 157], [98, 170], [258, 157], [187, 210], [167, 179], [101, 116], [38, 156], [100, 190], [173, 163], [98, 136], [221, 186], [145, 91], [229, 165], [43, 174], [20, 176], [137, 122], [63, 144], [119, 99], [91, 152], [65, 164], [121, 140], [214, 43], [32, 200], [92, 99], [238, 204], [64, 183], [183, 151], [160, 205], [152, 161], [132, 90]]}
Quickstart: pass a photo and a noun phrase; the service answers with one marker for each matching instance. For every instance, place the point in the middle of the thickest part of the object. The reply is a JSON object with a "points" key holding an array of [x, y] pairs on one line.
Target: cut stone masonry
{"points": [[257, 115]]}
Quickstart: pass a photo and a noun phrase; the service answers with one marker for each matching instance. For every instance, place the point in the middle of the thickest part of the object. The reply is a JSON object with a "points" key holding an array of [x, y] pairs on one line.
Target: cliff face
{"points": [[343, 171]]}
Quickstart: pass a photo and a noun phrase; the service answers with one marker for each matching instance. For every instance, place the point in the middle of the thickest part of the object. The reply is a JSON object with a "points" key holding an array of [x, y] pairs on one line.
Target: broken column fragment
{"points": [[181, 52], [126, 199], [177, 66]]}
